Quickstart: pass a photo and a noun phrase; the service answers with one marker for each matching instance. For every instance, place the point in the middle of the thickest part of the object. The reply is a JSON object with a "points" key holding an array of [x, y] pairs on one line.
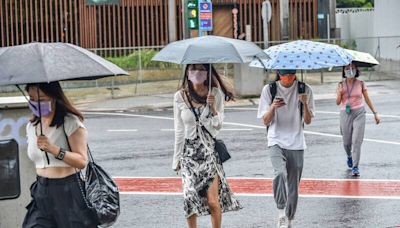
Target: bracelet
{"points": [[375, 113], [61, 154]]}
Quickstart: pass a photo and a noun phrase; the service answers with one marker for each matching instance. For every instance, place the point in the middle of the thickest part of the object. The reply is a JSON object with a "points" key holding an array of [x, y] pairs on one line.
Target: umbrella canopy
{"points": [[209, 49], [304, 55], [47, 62], [362, 59]]}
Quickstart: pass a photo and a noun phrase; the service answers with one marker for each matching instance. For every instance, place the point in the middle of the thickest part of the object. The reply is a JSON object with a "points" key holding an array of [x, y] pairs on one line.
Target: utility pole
{"points": [[171, 21], [266, 16], [284, 7], [186, 32]]}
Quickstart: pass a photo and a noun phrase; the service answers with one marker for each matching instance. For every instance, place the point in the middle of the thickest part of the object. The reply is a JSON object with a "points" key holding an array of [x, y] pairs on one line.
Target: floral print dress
{"points": [[198, 160]]}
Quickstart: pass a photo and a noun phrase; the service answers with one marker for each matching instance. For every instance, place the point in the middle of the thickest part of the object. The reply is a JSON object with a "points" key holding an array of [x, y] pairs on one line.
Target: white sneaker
{"points": [[283, 222]]}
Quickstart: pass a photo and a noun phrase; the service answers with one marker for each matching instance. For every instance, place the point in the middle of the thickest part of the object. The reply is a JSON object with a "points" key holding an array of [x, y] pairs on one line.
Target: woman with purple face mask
{"points": [[56, 197], [205, 189], [349, 95]]}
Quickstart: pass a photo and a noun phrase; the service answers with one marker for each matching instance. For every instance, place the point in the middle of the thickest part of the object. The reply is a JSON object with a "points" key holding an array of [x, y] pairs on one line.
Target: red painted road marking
{"points": [[263, 186]]}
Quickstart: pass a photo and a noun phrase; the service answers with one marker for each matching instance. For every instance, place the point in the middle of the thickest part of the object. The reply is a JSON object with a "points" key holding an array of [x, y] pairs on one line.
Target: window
{"points": [[9, 170]]}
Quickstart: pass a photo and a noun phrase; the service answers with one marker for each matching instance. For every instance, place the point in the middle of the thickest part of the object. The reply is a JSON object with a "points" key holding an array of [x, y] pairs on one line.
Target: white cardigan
{"points": [[185, 122]]}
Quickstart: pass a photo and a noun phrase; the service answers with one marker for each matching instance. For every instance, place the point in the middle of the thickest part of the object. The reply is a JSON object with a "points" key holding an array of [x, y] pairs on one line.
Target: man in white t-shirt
{"points": [[284, 107]]}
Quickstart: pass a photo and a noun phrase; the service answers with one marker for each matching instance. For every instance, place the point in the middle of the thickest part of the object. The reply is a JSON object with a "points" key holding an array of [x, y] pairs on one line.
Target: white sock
{"points": [[281, 213]]}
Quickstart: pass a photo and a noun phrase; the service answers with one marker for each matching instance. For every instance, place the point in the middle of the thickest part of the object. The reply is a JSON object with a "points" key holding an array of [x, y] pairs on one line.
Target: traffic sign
{"points": [[205, 15]]}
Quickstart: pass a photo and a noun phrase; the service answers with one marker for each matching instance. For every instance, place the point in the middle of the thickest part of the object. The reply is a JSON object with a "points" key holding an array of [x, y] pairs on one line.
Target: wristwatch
{"points": [[61, 154]]}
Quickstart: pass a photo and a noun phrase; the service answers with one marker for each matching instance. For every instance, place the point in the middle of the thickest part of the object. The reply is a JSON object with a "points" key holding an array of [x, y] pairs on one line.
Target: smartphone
{"points": [[278, 98]]}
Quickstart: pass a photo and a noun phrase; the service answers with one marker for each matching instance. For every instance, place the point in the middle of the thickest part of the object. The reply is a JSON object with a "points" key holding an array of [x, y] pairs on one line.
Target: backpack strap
{"points": [[301, 88], [272, 90]]}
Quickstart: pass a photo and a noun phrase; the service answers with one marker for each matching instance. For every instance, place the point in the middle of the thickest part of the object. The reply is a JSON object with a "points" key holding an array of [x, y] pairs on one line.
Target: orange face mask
{"points": [[288, 79]]}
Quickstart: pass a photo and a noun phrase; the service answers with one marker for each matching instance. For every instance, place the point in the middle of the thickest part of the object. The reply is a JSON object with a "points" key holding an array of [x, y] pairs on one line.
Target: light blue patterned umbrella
{"points": [[304, 55]]}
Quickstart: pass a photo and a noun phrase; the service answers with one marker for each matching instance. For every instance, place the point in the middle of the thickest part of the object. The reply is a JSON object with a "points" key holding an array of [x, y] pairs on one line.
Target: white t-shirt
{"points": [[286, 127], [55, 136]]}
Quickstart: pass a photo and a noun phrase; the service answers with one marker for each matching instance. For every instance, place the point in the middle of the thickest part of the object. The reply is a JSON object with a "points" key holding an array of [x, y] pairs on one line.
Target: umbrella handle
{"points": [[40, 122], [262, 63], [209, 83]]}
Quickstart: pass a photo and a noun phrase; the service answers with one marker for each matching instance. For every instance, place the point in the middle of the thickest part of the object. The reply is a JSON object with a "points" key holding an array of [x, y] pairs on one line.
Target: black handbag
{"points": [[219, 145], [100, 193]]}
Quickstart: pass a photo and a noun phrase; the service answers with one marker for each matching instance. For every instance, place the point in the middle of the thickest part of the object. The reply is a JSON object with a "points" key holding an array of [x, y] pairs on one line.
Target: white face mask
{"points": [[197, 76], [349, 73]]}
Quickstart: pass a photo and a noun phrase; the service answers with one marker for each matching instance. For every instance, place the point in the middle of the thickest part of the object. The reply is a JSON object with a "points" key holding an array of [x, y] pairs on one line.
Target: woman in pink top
{"points": [[350, 94]]}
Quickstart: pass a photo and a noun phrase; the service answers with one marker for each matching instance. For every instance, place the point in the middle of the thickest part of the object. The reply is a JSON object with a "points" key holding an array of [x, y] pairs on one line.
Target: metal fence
{"points": [[150, 77]]}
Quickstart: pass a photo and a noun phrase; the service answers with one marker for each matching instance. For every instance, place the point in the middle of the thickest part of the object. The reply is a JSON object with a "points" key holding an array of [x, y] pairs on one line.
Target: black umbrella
{"points": [[49, 62]]}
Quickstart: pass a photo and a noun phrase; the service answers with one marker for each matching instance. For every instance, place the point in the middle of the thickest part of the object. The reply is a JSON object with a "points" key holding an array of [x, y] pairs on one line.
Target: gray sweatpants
{"points": [[288, 166], [352, 127]]}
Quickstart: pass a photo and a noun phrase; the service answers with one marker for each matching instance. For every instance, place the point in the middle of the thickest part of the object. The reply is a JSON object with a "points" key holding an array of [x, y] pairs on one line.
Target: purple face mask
{"points": [[197, 76], [45, 108]]}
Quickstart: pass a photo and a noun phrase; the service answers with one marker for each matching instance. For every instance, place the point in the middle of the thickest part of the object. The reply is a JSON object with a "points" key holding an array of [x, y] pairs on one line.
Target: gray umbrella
{"points": [[209, 49], [47, 62]]}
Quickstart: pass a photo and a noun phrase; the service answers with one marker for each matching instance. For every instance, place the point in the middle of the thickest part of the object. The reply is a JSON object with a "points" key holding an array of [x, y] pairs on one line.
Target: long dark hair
{"points": [[63, 105], [216, 81]]}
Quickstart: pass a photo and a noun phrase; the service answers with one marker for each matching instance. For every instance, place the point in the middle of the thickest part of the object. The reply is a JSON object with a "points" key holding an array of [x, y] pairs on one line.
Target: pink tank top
{"points": [[356, 96]]}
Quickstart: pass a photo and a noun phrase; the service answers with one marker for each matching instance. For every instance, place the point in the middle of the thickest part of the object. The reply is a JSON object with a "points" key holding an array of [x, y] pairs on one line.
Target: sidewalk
{"points": [[162, 101]]}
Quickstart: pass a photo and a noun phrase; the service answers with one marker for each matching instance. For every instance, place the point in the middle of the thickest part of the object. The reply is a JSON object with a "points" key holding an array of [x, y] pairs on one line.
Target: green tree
{"points": [[355, 3]]}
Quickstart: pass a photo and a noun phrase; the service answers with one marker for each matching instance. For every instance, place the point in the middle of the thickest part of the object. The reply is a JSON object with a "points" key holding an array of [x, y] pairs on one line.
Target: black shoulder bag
{"points": [[100, 193], [220, 146]]}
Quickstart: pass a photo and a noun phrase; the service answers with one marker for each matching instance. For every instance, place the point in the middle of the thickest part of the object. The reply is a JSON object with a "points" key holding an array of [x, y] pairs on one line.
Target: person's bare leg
{"points": [[192, 221], [213, 203]]}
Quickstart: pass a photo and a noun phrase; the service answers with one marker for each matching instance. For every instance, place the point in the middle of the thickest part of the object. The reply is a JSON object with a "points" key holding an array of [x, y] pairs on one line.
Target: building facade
{"points": [[133, 23]]}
